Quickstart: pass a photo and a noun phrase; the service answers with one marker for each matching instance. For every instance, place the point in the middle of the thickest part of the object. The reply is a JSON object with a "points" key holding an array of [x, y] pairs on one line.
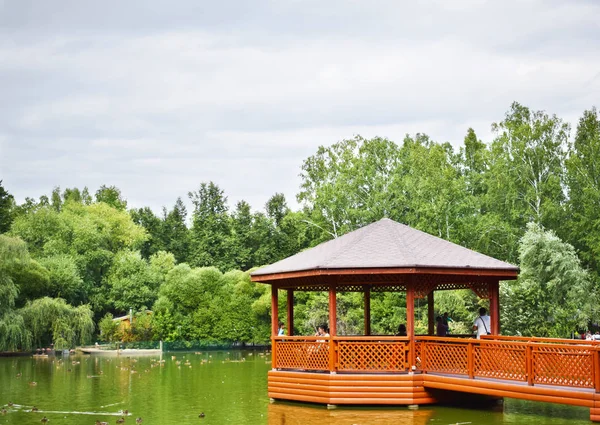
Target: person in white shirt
{"points": [[482, 323]]}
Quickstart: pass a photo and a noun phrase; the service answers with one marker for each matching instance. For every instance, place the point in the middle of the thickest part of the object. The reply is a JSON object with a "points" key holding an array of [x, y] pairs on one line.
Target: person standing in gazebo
{"points": [[482, 323]]}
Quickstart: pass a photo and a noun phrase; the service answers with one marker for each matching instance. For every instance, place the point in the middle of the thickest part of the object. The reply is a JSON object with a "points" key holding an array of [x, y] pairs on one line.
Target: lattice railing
{"points": [[563, 365], [505, 361], [567, 365], [307, 355], [445, 357], [372, 356]]}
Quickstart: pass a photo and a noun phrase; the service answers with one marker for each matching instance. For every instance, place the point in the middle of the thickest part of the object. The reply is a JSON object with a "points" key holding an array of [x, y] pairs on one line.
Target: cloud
{"points": [[157, 97]]}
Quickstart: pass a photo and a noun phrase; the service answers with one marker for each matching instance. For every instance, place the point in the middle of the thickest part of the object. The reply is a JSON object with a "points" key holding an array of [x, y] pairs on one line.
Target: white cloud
{"points": [[241, 96]]}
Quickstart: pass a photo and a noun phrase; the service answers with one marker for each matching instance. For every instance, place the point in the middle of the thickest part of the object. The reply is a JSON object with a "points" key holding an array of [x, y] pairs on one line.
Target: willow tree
{"points": [[554, 296], [52, 319], [13, 333]]}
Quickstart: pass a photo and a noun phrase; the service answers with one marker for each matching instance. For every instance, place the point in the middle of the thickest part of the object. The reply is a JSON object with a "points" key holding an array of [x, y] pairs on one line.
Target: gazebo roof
{"points": [[386, 244]]}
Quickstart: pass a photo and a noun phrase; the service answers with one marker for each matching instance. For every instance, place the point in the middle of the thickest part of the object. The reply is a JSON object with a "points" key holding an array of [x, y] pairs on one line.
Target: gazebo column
{"points": [[410, 322], [274, 311], [332, 326], [274, 324], [368, 310], [290, 312], [332, 311], [494, 292], [430, 314]]}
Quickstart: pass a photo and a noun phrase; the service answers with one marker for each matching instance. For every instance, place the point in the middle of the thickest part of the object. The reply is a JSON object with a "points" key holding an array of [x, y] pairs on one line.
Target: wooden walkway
{"points": [[404, 371]]}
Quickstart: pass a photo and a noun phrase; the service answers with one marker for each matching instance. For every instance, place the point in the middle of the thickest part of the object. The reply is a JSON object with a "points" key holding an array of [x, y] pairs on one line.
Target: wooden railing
{"points": [[570, 363]]}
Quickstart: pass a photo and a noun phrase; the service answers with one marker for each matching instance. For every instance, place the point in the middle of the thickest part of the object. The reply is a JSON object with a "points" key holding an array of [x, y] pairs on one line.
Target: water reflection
{"points": [[290, 414]]}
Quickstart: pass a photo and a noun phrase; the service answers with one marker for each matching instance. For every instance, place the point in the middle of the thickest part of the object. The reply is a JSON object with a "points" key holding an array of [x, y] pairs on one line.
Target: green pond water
{"points": [[228, 387]]}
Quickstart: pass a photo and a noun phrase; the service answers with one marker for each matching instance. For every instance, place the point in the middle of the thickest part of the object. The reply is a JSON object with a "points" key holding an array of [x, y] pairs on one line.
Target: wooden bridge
{"points": [[398, 371]]}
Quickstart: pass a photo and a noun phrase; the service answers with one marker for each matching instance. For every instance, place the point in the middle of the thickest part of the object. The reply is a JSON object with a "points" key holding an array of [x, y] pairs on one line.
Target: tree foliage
{"points": [[554, 295]]}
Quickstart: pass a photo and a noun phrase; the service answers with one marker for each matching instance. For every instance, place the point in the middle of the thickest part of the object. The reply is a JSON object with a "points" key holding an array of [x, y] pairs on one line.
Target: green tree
{"points": [[348, 185], [146, 218], [175, 234], [109, 328], [524, 182], [211, 228], [111, 195], [14, 334], [52, 320], [131, 283], [553, 295], [6, 206], [583, 184]]}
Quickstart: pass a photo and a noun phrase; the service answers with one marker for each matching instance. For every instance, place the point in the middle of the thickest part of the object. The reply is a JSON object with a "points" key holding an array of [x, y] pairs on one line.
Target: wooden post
{"points": [[430, 314], [368, 310], [410, 322], [290, 312], [596, 364], [494, 290], [274, 324], [332, 327], [274, 311], [529, 363], [470, 360], [332, 311]]}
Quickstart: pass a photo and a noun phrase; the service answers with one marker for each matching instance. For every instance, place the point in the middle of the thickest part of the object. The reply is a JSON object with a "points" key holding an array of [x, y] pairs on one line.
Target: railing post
{"points": [[332, 355], [470, 360], [596, 360], [529, 363]]}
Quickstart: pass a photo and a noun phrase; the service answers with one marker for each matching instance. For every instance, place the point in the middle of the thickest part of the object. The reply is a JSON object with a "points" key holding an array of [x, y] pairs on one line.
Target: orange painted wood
{"points": [[290, 312], [296, 397], [540, 340], [274, 312], [502, 274], [596, 363], [274, 324], [410, 324], [470, 365], [494, 307], [332, 311], [430, 314], [433, 381], [512, 394], [367, 310], [529, 364]]}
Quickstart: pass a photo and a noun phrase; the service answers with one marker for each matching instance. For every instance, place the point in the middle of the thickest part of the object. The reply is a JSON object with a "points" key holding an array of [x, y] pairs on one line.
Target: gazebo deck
{"points": [[375, 369]]}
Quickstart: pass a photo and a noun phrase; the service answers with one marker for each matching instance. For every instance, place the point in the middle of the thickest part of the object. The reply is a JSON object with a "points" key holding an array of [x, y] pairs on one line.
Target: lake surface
{"points": [[228, 387]]}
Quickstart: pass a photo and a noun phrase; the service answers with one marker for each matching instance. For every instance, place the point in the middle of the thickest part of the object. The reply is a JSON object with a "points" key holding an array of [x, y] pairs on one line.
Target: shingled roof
{"points": [[385, 244]]}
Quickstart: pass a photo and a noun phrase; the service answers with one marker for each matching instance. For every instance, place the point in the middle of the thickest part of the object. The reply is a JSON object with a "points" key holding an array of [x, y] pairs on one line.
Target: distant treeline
{"points": [[530, 196]]}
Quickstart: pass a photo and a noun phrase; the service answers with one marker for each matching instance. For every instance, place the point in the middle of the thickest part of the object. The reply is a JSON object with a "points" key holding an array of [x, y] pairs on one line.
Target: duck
{"points": [[201, 415], [34, 409], [121, 420], [33, 383], [101, 423], [4, 411], [138, 420], [44, 420], [10, 404]]}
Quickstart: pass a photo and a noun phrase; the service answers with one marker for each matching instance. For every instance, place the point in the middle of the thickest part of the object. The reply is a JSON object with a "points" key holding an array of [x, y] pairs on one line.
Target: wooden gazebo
{"points": [[412, 369], [383, 256]]}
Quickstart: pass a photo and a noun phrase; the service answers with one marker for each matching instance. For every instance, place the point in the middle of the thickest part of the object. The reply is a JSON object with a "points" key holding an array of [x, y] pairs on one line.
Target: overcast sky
{"points": [[156, 97]]}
